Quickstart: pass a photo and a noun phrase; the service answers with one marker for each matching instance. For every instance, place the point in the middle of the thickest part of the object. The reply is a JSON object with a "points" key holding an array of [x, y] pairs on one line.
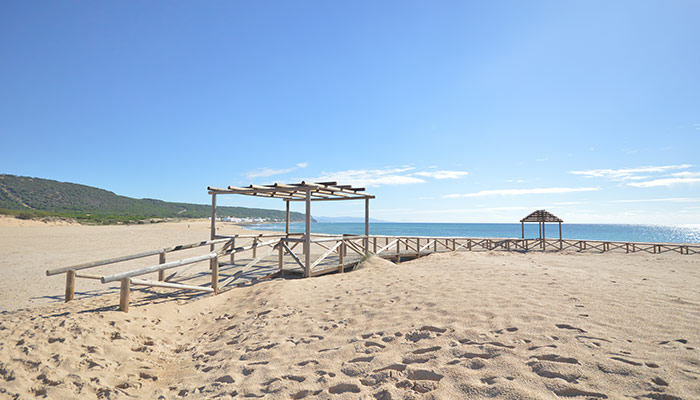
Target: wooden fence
{"points": [[333, 253]]}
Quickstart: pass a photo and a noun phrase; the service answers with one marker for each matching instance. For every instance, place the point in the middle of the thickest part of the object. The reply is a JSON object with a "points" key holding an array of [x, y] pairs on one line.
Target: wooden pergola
{"points": [[304, 191], [541, 217]]}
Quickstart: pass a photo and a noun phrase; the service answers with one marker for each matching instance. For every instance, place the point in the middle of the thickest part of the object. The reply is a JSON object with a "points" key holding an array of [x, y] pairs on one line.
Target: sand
{"points": [[455, 325]]}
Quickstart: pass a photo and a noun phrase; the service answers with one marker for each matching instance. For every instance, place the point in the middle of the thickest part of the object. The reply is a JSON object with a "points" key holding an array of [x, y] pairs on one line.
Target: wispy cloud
{"points": [[663, 182], [519, 192], [442, 174], [265, 172], [626, 174], [667, 200], [371, 177], [404, 175]]}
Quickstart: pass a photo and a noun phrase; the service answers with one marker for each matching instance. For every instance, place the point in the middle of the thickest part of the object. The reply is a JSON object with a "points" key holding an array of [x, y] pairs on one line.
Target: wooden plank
{"points": [[426, 246], [215, 275], [170, 285], [247, 267], [154, 268], [294, 256], [315, 263], [386, 247], [354, 247], [88, 276]]}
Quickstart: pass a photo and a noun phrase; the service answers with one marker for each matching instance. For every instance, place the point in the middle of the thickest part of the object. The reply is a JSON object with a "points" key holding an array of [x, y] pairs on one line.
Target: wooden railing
{"points": [[336, 254]]}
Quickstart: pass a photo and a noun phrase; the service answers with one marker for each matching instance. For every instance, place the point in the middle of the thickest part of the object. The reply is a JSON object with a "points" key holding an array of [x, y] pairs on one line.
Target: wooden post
{"points": [[286, 224], [70, 286], [124, 295], [469, 244], [398, 250], [374, 250], [280, 256], [560, 242], [161, 260], [544, 236], [233, 254], [366, 226], [341, 268], [307, 236], [522, 226], [417, 247], [215, 274], [255, 247], [213, 220]]}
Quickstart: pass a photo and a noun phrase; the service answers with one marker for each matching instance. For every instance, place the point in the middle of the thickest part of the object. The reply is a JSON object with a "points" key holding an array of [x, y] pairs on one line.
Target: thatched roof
{"points": [[541, 216]]}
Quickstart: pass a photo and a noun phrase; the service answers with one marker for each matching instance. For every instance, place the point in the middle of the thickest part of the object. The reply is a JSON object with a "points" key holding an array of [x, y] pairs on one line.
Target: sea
{"points": [[608, 232]]}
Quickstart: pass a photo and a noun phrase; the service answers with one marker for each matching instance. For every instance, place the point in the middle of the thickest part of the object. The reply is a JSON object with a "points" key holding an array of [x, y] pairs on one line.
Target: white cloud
{"points": [[628, 173], [667, 200], [518, 192], [442, 174], [370, 177], [663, 182], [265, 172]]}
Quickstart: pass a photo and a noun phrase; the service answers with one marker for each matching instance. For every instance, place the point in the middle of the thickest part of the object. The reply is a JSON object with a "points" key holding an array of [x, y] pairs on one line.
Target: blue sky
{"points": [[446, 111]]}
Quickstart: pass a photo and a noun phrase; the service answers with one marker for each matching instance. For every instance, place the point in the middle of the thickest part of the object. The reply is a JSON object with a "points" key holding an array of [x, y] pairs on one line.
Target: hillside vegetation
{"points": [[27, 197]]}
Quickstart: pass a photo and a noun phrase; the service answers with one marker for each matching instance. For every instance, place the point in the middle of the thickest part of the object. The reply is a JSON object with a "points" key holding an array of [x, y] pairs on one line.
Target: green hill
{"points": [[27, 197]]}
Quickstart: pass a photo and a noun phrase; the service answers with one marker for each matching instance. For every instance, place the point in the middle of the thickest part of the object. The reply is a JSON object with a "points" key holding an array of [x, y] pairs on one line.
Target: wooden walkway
{"points": [[244, 259]]}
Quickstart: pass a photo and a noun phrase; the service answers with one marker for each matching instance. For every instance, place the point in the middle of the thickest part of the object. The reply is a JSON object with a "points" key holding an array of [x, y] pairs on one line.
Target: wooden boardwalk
{"points": [[244, 259]]}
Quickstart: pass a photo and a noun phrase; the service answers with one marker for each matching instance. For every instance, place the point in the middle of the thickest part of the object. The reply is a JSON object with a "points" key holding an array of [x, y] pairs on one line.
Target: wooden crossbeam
{"points": [[248, 266], [330, 250], [386, 247], [294, 256], [170, 285]]}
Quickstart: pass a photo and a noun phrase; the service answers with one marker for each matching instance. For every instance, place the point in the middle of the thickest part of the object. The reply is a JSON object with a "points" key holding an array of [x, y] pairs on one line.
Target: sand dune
{"points": [[467, 325]]}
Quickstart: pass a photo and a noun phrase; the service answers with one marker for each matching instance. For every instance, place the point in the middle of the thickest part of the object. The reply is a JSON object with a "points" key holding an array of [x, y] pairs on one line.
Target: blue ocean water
{"points": [[611, 232]]}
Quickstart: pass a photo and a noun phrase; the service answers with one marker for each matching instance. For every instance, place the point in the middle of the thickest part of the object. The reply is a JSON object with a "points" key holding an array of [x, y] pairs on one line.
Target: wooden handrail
{"points": [[132, 257], [157, 267]]}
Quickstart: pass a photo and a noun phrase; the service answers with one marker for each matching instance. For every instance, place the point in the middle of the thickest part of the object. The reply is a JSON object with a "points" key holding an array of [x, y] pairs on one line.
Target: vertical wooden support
{"points": [[286, 224], [417, 247], [560, 242], [544, 236], [454, 244], [374, 250], [124, 295], [307, 236], [367, 226], [280, 256], [70, 286], [213, 220], [469, 244], [341, 267], [435, 245], [398, 250], [161, 260], [627, 247], [215, 274], [233, 253], [255, 247], [522, 226]]}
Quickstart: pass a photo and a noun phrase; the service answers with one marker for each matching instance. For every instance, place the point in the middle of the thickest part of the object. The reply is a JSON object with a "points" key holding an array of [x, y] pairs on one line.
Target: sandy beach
{"points": [[465, 325]]}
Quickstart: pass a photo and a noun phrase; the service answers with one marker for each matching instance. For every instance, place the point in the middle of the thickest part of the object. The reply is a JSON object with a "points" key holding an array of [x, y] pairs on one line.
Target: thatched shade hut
{"points": [[541, 217]]}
